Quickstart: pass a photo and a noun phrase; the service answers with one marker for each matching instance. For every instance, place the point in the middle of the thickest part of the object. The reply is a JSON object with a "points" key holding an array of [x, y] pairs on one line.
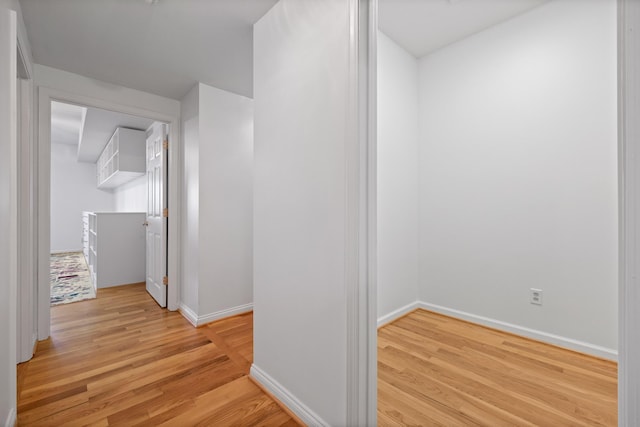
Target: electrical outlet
{"points": [[535, 296]]}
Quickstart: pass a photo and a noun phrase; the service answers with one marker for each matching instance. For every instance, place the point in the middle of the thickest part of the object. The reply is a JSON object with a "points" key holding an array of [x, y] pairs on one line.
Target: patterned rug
{"points": [[70, 280]]}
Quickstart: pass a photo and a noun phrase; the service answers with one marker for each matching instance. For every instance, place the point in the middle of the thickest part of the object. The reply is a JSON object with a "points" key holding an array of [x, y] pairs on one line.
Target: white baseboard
{"points": [[396, 314], [570, 343], [188, 314], [196, 320], [233, 311], [11, 418], [303, 412]]}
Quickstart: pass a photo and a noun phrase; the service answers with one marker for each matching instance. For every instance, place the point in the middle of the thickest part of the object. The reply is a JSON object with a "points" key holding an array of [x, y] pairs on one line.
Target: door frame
{"points": [[629, 212], [27, 170], [361, 216], [45, 96], [8, 210]]}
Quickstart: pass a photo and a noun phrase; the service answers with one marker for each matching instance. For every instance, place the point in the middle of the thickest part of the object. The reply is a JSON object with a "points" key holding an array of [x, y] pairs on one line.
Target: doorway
{"points": [[488, 204], [104, 99], [102, 194]]}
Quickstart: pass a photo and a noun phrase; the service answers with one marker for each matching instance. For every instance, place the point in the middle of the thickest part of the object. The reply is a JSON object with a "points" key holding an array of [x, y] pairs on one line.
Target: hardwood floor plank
{"points": [[122, 360], [437, 370]]}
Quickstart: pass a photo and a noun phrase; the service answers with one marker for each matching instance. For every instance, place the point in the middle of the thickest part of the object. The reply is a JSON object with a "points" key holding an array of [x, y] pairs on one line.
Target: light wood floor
{"points": [[435, 370], [121, 360]]}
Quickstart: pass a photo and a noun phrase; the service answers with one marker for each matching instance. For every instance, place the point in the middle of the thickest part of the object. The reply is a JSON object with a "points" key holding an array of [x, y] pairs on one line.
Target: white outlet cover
{"points": [[535, 296]]}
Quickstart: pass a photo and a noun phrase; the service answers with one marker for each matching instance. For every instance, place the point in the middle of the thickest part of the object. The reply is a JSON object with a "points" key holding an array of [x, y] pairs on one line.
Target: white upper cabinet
{"points": [[123, 158]]}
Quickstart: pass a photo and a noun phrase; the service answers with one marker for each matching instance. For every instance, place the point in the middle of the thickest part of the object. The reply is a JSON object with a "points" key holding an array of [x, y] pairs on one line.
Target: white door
{"points": [[156, 214]]}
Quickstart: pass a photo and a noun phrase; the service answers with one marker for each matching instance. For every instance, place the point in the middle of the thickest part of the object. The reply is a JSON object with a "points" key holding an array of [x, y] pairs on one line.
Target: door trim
{"points": [[629, 211], [360, 242], [26, 223], [45, 96], [8, 208]]}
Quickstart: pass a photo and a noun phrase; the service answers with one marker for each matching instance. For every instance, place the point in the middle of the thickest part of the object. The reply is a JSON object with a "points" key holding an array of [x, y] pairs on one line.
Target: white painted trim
{"points": [[43, 213], [371, 299], [45, 96], [629, 211], [296, 406], [398, 313], [360, 215], [570, 343], [174, 204], [11, 418], [9, 205], [26, 218], [188, 314], [196, 320], [227, 312], [24, 47]]}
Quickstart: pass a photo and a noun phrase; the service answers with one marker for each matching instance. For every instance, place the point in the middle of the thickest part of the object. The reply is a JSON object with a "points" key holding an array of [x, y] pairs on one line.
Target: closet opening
{"points": [[497, 187]]}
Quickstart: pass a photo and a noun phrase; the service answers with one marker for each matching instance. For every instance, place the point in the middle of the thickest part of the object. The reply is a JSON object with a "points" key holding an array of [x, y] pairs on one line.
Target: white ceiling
{"points": [[91, 132], [166, 47], [162, 48], [423, 26]]}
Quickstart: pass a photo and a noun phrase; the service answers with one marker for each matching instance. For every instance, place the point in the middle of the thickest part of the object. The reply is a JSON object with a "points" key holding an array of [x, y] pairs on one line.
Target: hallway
{"points": [[122, 360]]}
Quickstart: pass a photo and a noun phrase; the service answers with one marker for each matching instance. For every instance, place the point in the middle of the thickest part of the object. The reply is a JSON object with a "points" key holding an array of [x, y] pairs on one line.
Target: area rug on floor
{"points": [[70, 280]]}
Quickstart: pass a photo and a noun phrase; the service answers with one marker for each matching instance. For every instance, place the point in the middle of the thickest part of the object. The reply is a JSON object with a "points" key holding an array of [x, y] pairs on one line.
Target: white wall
{"points": [[398, 226], [518, 172], [190, 200], [73, 190], [226, 200], [8, 202], [301, 94], [132, 196], [8, 217], [217, 203]]}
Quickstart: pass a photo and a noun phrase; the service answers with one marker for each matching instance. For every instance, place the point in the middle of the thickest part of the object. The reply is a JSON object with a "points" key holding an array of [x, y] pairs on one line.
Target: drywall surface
{"points": [[84, 86], [217, 192], [301, 96], [518, 170], [11, 25], [190, 200], [132, 196], [225, 200], [73, 190], [398, 225], [8, 244]]}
